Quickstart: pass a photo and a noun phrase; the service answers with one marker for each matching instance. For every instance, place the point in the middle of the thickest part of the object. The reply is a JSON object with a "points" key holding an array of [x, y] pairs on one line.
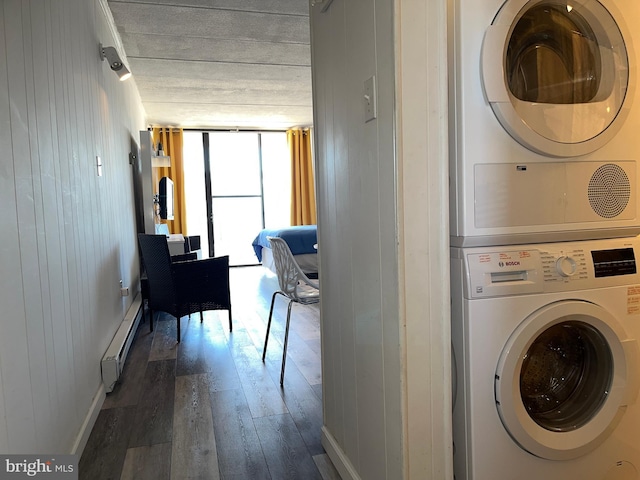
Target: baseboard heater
{"points": [[115, 356]]}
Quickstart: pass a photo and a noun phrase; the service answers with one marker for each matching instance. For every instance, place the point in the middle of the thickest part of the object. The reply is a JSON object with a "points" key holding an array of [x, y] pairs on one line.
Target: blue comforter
{"points": [[300, 239]]}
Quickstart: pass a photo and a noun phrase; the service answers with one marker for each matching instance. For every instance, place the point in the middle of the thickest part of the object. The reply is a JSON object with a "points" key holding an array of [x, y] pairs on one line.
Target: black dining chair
{"points": [[181, 288]]}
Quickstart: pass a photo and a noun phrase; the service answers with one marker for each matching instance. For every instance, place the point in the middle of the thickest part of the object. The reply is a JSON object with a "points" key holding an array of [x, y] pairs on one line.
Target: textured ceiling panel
{"points": [[216, 50], [290, 7], [205, 72], [241, 93], [219, 63], [210, 23]]}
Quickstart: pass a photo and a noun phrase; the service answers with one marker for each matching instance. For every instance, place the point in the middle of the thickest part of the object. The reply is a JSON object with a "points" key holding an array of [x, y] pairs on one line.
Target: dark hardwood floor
{"points": [[208, 408]]}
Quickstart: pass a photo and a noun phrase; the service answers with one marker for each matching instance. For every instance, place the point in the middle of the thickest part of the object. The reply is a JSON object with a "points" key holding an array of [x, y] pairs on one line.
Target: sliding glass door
{"points": [[236, 207], [246, 188]]}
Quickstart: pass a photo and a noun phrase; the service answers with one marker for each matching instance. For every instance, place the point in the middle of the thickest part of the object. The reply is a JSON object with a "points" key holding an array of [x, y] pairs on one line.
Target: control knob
{"points": [[566, 266]]}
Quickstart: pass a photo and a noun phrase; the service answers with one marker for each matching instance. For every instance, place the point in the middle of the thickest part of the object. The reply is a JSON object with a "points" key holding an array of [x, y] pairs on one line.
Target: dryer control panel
{"points": [[547, 268]]}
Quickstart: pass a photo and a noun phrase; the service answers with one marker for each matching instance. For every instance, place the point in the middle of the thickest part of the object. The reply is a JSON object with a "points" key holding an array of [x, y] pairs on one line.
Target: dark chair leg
{"points": [[230, 324], [286, 341], [200, 316], [266, 338]]}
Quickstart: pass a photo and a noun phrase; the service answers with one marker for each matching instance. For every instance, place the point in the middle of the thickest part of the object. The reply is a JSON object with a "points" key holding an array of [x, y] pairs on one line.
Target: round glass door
{"points": [[556, 73], [563, 379], [565, 376]]}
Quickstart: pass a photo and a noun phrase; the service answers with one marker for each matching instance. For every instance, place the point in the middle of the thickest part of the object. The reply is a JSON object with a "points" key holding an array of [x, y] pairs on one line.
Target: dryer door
{"points": [[556, 74], [564, 379]]}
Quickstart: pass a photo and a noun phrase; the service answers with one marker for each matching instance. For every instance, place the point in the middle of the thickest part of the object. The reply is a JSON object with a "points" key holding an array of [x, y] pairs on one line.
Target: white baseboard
{"points": [[338, 457], [89, 422]]}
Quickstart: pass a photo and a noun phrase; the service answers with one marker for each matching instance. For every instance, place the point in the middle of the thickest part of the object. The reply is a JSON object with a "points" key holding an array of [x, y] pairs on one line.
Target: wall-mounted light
{"points": [[115, 63]]}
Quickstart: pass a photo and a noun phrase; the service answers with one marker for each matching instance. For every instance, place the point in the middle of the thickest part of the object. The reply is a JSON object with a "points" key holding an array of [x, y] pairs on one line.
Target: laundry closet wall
{"points": [[383, 237]]}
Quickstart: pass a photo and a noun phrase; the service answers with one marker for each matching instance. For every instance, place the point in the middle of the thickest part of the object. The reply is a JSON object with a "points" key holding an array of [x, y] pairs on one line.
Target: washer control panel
{"points": [[564, 265], [551, 267], [611, 263]]}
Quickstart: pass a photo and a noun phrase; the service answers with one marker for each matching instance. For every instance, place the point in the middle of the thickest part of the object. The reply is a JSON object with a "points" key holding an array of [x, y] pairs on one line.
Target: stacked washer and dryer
{"points": [[545, 259]]}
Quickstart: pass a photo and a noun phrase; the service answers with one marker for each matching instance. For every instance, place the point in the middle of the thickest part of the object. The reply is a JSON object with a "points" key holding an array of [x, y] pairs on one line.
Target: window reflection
{"points": [[553, 57]]}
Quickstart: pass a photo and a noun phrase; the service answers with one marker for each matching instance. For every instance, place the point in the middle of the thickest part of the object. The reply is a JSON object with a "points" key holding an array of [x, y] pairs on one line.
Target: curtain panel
{"points": [[171, 140], [303, 198]]}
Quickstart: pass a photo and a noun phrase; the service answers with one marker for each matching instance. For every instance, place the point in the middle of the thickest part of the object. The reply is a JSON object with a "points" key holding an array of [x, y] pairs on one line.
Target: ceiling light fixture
{"points": [[115, 63]]}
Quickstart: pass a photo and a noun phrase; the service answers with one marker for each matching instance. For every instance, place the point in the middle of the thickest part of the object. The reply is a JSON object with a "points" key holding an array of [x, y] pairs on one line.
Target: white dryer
{"points": [[546, 373], [544, 118]]}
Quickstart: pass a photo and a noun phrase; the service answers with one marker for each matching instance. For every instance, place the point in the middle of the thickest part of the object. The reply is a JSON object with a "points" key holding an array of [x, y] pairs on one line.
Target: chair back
{"points": [[289, 272], [157, 263]]}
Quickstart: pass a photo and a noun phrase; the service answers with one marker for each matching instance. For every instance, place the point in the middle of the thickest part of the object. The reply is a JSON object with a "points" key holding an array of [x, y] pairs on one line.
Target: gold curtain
{"points": [[171, 140], [303, 198]]}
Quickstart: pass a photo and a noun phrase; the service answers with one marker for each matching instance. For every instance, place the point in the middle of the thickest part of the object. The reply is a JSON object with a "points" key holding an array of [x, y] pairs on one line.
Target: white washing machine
{"points": [[544, 118], [546, 373]]}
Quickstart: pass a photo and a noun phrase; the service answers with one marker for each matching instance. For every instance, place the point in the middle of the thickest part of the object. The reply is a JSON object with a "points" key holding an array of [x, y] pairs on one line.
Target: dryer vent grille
{"points": [[609, 190]]}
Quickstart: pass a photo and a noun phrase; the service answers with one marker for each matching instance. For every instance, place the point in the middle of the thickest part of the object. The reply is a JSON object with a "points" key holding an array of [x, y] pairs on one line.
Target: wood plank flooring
{"points": [[209, 408]]}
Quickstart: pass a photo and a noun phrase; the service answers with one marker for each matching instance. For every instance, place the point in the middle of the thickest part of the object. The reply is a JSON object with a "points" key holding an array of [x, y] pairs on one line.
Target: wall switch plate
{"points": [[370, 99], [99, 165]]}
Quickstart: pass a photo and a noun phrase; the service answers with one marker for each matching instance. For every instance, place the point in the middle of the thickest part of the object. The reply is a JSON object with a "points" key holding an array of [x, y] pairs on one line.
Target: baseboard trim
{"points": [[89, 421], [338, 457]]}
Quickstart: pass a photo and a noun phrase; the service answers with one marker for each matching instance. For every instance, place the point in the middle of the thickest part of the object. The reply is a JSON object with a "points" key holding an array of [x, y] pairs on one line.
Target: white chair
{"points": [[294, 285]]}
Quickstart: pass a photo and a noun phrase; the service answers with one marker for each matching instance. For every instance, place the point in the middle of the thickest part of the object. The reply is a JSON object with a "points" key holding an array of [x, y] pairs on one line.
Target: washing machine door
{"points": [[564, 379], [556, 74]]}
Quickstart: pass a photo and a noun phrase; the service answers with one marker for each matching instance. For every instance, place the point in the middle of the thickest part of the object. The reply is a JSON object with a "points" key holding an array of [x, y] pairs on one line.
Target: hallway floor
{"points": [[208, 408]]}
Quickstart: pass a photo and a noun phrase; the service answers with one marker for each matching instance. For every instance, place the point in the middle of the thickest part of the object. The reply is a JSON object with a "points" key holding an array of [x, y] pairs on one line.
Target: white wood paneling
{"points": [[423, 142], [383, 232], [356, 171], [14, 349], [68, 235], [330, 134], [32, 183], [11, 278]]}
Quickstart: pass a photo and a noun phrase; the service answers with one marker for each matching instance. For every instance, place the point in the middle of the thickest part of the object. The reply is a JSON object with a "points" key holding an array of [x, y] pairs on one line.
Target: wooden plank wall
{"points": [[357, 227], [68, 235], [382, 189]]}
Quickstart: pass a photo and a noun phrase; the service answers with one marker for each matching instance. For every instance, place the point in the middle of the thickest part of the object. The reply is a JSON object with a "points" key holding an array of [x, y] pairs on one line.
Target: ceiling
{"points": [[219, 63]]}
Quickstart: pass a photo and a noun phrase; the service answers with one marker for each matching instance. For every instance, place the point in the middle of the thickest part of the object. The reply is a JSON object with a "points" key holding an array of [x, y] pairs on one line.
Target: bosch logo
{"points": [[510, 263]]}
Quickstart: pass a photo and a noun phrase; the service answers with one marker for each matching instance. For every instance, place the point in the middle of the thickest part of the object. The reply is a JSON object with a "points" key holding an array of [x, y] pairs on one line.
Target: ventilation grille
{"points": [[609, 190]]}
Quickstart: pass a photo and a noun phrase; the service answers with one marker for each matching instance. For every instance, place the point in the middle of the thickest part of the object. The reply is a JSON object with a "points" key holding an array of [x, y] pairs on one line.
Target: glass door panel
{"points": [[194, 188], [236, 222], [235, 164], [276, 178], [237, 209], [245, 180]]}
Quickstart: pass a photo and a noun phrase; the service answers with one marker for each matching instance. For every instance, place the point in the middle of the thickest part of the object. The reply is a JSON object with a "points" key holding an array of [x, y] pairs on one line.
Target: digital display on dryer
{"points": [[611, 263]]}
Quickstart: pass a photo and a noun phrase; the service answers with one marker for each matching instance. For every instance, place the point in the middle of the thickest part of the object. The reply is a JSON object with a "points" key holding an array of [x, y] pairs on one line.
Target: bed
{"points": [[302, 241]]}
